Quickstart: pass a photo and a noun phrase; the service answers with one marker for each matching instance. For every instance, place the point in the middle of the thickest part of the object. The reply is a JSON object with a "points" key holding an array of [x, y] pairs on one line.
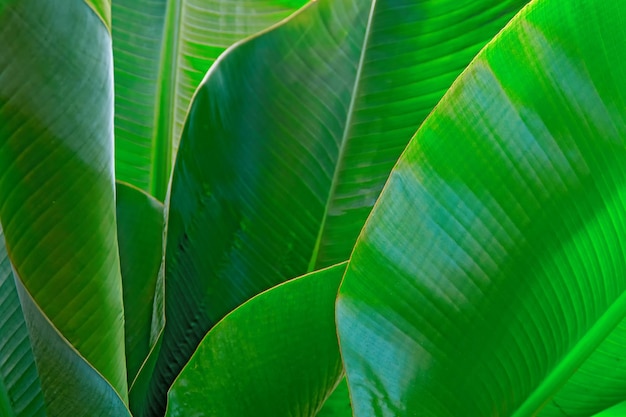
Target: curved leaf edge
{"points": [[243, 306], [585, 346], [23, 290]]}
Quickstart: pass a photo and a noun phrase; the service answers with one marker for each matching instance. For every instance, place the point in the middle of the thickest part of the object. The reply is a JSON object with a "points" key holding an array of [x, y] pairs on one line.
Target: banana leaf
{"points": [[57, 186], [162, 50], [489, 279], [288, 143], [275, 355]]}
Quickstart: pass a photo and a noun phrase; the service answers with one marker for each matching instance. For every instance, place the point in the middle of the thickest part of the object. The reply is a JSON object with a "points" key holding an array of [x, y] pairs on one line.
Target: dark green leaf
{"points": [[140, 225], [20, 389]]}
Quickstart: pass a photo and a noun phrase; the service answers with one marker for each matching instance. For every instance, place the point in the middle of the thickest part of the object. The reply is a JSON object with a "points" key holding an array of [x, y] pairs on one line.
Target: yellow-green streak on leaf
{"points": [[103, 9]]}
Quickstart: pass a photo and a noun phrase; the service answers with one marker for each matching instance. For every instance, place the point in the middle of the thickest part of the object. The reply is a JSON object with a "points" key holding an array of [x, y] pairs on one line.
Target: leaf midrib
{"points": [[575, 357], [344, 138]]}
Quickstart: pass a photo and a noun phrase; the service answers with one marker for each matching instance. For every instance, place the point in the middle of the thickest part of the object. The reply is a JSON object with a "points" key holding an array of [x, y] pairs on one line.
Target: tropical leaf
{"points": [[20, 389], [288, 143], [162, 50], [489, 277], [57, 187], [140, 225], [275, 355]]}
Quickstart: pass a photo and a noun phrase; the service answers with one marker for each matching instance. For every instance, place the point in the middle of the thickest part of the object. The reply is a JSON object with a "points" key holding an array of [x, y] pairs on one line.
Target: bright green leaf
{"points": [[56, 183], [276, 355], [289, 142], [489, 279], [618, 410], [338, 404]]}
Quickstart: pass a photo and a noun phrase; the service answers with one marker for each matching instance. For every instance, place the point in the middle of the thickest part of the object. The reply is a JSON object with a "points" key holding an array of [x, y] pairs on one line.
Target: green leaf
{"points": [[71, 386], [138, 395], [20, 389], [289, 142], [162, 51], [618, 410], [275, 355], [489, 277], [140, 225], [102, 8], [56, 184], [338, 404]]}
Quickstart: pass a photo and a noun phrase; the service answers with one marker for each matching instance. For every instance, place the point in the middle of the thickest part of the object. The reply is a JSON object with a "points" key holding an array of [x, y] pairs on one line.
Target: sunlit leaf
{"points": [[489, 279]]}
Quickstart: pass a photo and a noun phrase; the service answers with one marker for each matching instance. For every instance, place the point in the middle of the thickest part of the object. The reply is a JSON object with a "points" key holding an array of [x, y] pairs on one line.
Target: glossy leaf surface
{"points": [[289, 141], [275, 355], [489, 278], [56, 183], [140, 235], [19, 380], [162, 51]]}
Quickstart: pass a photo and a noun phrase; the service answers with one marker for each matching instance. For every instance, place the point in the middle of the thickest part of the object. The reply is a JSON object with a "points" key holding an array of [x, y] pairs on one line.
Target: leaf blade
{"points": [[56, 187], [277, 354], [280, 117], [19, 379], [515, 174]]}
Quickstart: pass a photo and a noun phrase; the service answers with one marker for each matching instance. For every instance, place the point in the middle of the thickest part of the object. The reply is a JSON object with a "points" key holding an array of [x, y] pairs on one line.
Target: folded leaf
{"points": [[489, 277], [56, 184], [20, 389], [289, 142], [71, 386], [276, 355]]}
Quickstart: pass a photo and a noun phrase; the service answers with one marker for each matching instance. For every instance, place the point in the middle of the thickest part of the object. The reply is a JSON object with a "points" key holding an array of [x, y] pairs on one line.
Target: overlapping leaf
{"points": [[489, 278], [162, 50], [20, 389], [290, 140], [56, 183], [70, 385], [276, 355], [140, 234]]}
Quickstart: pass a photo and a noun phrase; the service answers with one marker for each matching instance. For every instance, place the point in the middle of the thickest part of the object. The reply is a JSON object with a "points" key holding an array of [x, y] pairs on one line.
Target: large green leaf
{"points": [[489, 279], [140, 225], [162, 50], [289, 142], [275, 355], [20, 389], [56, 182]]}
